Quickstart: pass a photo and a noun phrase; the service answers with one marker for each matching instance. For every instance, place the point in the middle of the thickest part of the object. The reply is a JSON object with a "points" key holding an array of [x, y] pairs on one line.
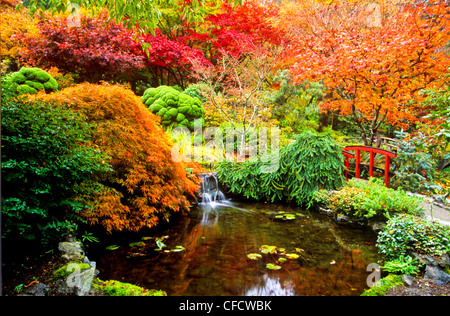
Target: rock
{"points": [[72, 251], [78, 282], [407, 279], [351, 220], [326, 211], [86, 277], [70, 247], [342, 219], [376, 226], [442, 262], [436, 275], [39, 289], [76, 277]]}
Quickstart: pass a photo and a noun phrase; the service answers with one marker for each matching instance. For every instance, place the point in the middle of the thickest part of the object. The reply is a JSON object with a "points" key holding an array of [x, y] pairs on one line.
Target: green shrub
{"points": [[311, 163], [46, 162], [371, 198], [176, 109], [414, 168], [31, 80], [405, 234]]}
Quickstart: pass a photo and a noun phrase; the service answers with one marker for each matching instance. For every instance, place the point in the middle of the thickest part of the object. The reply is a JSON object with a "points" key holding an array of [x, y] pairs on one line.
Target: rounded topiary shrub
{"points": [[176, 109], [32, 80]]}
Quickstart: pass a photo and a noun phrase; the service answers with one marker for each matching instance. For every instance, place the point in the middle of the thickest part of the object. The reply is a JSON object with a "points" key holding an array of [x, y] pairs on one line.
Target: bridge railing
{"points": [[372, 151]]}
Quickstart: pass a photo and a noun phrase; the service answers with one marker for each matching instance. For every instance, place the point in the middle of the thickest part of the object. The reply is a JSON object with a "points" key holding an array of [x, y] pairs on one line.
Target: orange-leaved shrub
{"points": [[146, 185]]}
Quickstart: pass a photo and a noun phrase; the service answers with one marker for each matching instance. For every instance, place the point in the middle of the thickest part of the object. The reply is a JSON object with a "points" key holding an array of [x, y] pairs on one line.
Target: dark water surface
{"points": [[332, 258]]}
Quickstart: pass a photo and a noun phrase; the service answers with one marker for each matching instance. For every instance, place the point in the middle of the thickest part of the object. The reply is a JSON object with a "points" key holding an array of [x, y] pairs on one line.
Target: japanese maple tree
{"points": [[373, 64], [98, 50], [233, 28], [168, 61]]}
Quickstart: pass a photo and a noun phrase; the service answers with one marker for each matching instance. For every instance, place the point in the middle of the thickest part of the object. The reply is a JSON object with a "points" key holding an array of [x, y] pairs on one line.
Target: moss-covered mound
{"points": [[32, 80]]}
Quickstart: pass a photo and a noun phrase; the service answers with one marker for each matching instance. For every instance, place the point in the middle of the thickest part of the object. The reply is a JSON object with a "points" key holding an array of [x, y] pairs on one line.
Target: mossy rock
{"points": [[70, 268], [381, 287], [117, 288]]}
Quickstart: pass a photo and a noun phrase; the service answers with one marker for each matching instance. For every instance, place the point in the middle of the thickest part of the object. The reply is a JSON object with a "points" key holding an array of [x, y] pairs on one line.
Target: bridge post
{"points": [[387, 167], [358, 160]]}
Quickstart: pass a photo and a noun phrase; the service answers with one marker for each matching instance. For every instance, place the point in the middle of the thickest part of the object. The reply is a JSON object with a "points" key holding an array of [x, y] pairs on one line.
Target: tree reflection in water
{"points": [[218, 239]]}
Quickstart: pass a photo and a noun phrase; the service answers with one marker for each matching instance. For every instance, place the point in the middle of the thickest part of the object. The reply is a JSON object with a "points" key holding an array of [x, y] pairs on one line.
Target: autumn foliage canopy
{"points": [[373, 59]]}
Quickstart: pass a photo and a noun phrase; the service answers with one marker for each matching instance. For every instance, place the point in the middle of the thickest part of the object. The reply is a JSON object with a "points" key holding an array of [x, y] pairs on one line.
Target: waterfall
{"points": [[210, 191]]}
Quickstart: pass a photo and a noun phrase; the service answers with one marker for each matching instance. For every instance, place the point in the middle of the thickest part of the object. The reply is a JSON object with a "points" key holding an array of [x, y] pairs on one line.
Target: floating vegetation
{"points": [[112, 247], [272, 266], [178, 248], [285, 216], [292, 256], [137, 244], [266, 249], [254, 256]]}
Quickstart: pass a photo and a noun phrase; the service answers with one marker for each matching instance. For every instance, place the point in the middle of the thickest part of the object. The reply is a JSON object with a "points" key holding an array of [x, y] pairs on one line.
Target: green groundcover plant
{"points": [[370, 199], [405, 234]]}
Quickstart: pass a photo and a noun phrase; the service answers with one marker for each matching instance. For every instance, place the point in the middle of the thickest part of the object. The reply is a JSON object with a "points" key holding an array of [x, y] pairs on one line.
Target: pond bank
{"points": [[71, 273], [43, 286]]}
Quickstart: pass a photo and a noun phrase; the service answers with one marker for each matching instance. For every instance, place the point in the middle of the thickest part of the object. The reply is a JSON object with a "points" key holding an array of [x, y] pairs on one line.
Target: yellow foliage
{"points": [[12, 24]]}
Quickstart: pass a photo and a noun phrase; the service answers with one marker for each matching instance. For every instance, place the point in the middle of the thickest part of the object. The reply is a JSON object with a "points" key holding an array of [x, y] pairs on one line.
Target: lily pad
{"points": [[178, 249], [272, 266], [292, 256], [282, 260], [254, 256], [112, 247], [266, 249], [285, 217], [137, 244]]}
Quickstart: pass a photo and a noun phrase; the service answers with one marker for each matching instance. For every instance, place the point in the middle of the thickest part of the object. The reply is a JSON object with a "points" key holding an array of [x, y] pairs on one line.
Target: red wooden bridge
{"points": [[372, 150]]}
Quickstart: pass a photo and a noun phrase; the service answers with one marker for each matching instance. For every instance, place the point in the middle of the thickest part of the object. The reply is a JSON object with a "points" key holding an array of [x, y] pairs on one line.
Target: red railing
{"points": [[372, 150]]}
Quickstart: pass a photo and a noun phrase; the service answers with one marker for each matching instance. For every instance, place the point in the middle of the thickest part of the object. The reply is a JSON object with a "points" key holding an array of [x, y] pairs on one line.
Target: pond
{"points": [[246, 249]]}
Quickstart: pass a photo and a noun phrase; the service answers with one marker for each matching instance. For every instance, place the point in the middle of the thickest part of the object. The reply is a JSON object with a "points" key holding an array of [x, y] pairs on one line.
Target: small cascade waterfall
{"points": [[210, 191]]}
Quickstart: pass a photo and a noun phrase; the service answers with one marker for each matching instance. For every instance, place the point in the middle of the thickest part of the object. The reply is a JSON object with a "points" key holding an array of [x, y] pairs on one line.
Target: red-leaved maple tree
{"points": [[98, 50], [168, 61], [234, 28]]}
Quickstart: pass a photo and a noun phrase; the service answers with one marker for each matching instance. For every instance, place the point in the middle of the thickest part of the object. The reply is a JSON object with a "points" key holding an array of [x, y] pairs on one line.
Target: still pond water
{"points": [[312, 254]]}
